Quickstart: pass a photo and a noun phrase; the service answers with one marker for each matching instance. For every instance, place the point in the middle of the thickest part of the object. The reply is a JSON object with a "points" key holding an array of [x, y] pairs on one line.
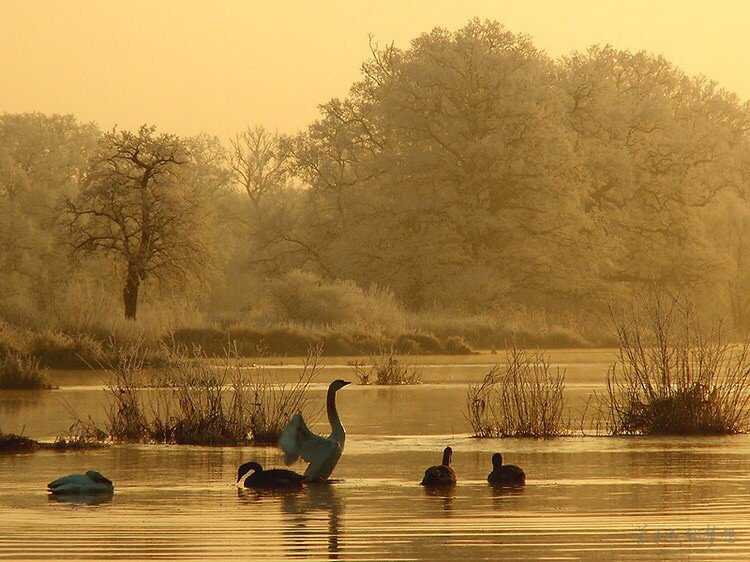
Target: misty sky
{"points": [[191, 66]]}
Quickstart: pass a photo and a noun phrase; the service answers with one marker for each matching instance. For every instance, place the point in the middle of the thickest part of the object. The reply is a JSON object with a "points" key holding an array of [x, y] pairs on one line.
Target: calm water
{"points": [[586, 498]]}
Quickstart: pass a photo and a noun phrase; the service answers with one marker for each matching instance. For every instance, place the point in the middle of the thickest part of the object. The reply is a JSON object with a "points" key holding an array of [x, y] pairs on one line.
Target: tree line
{"points": [[468, 172]]}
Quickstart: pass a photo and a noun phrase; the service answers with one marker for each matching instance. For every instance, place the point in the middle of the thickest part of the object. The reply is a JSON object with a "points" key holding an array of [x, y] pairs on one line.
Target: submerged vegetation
{"points": [[386, 368], [673, 377], [523, 397]]}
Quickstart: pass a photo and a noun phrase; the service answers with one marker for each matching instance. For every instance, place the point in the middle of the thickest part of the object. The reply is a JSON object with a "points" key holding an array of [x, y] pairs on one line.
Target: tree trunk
{"points": [[130, 294]]}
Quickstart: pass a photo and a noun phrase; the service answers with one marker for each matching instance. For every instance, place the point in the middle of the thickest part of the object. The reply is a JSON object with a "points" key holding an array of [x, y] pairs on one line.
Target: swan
{"points": [[505, 474], [90, 483], [442, 474], [273, 478], [321, 452]]}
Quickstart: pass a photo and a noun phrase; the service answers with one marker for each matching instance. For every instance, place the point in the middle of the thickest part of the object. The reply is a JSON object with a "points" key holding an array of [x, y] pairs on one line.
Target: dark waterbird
{"points": [[268, 479], [442, 474], [91, 482], [505, 474]]}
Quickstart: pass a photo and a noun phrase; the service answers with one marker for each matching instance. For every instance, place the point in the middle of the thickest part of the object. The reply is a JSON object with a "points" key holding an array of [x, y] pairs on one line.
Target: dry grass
{"points": [[13, 443], [193, 401], [522, 398], [673, 377], [386, 368], [20, 371]]}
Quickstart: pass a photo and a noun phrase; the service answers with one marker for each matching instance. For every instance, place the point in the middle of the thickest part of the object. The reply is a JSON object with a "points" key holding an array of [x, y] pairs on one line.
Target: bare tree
{"points": [[258, 163], [140, 206]]}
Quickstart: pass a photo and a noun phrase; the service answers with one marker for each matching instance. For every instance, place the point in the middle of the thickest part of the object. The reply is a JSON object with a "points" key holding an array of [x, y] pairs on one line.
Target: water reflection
{"points": [[81, 499], [445, 493], [309, 514]]}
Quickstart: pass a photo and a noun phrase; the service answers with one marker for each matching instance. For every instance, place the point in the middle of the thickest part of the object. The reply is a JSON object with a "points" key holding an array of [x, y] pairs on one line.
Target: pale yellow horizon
{"points": [[194, 66]]}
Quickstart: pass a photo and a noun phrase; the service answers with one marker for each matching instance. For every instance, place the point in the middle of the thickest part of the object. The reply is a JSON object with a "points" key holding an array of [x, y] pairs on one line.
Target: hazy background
{"points": [[193, 66]]}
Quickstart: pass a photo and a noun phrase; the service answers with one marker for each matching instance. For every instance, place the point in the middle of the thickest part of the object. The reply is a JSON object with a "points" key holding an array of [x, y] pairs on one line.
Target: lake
{"points": [[586, 498]]}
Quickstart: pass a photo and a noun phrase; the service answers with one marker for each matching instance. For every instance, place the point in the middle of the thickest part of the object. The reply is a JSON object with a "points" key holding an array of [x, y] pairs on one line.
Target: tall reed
{"points": [[522, 398]]}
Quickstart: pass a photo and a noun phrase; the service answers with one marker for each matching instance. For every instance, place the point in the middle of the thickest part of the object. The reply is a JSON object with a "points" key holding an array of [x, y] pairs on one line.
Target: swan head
{"points": [[447, 455], [247, 467], [338, 384], [98, 478], [497, 460]]}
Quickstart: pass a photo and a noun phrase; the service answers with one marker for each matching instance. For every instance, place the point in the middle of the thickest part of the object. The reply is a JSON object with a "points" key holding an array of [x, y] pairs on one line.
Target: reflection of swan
{"points": [[273, 478], [505, 474], [321, 452], [446, 493], [300, 510], [90, 483], [442, 474], [82, 499]]}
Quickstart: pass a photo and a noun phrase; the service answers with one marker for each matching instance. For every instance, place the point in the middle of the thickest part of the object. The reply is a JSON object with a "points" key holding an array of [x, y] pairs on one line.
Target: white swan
{"points": [[90, 483], [321, 452]]}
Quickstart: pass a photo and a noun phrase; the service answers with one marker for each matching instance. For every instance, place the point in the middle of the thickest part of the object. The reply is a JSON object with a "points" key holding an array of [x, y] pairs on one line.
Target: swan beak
{"points": [[346, 383]]}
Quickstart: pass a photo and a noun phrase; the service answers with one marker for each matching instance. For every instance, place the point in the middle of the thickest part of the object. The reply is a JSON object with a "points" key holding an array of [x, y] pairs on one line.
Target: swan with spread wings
{"points": [[323, 453]]}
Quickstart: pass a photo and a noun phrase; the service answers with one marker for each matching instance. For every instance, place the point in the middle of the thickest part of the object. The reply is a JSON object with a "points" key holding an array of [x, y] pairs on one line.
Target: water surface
{"points": [[586, 498]]}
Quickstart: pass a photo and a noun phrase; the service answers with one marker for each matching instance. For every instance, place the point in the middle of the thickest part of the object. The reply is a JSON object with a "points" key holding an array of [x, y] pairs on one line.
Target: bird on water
{"points": [[255, 477], [91, 482], [505, 474], [442, 474], [323, 453]]}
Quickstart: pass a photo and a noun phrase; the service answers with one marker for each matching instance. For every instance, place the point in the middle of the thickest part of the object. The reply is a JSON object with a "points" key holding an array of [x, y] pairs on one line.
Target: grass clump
{"points": [[20, 371], [273, 403], [14, 443], [197, 403], [386, 368], [522, 398], [81, 435], [672, 377]]}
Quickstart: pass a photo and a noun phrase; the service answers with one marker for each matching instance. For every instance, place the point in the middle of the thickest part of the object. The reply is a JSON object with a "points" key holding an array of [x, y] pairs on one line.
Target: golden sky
{"points": [[190, 66]]}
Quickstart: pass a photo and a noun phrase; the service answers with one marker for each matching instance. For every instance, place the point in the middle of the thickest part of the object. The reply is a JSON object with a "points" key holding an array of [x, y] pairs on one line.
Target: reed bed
{"points": [[386, 368], [194, 401], [673, 377], [524, 397]]}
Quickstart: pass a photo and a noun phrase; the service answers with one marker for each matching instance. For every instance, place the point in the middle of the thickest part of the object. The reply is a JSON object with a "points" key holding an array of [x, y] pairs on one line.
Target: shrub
{"points": [[12, 443], [19, 371], [456, 345], [274, 403], [522, 398], [62, 351], [79, 436], [197, 403], [386, 369], [304, 297], [673, 377]]}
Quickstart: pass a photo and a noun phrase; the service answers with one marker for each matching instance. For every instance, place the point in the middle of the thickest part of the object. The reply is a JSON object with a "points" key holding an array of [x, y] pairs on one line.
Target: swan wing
{"points": [[298, 441], [69, 480]]}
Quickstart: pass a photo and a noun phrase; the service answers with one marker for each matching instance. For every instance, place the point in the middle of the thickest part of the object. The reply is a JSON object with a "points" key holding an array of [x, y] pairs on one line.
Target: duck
{"points": [[442, 474], [505, 474], [268, 479], [92, 482], [323, 453]]}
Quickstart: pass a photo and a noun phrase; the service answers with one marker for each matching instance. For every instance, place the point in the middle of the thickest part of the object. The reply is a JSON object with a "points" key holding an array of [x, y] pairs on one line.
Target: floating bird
{"points": [[440, 475], [321, 452], [90, 483], [273, 478], [505, 474]]}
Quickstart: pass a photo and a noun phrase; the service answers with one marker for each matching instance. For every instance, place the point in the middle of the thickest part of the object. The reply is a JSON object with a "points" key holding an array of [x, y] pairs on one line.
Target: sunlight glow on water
{"points": [[586, 498]]}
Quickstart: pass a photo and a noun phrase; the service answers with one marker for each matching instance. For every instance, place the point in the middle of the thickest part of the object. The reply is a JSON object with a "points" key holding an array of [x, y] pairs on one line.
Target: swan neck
{"points": [[333, 415]]}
